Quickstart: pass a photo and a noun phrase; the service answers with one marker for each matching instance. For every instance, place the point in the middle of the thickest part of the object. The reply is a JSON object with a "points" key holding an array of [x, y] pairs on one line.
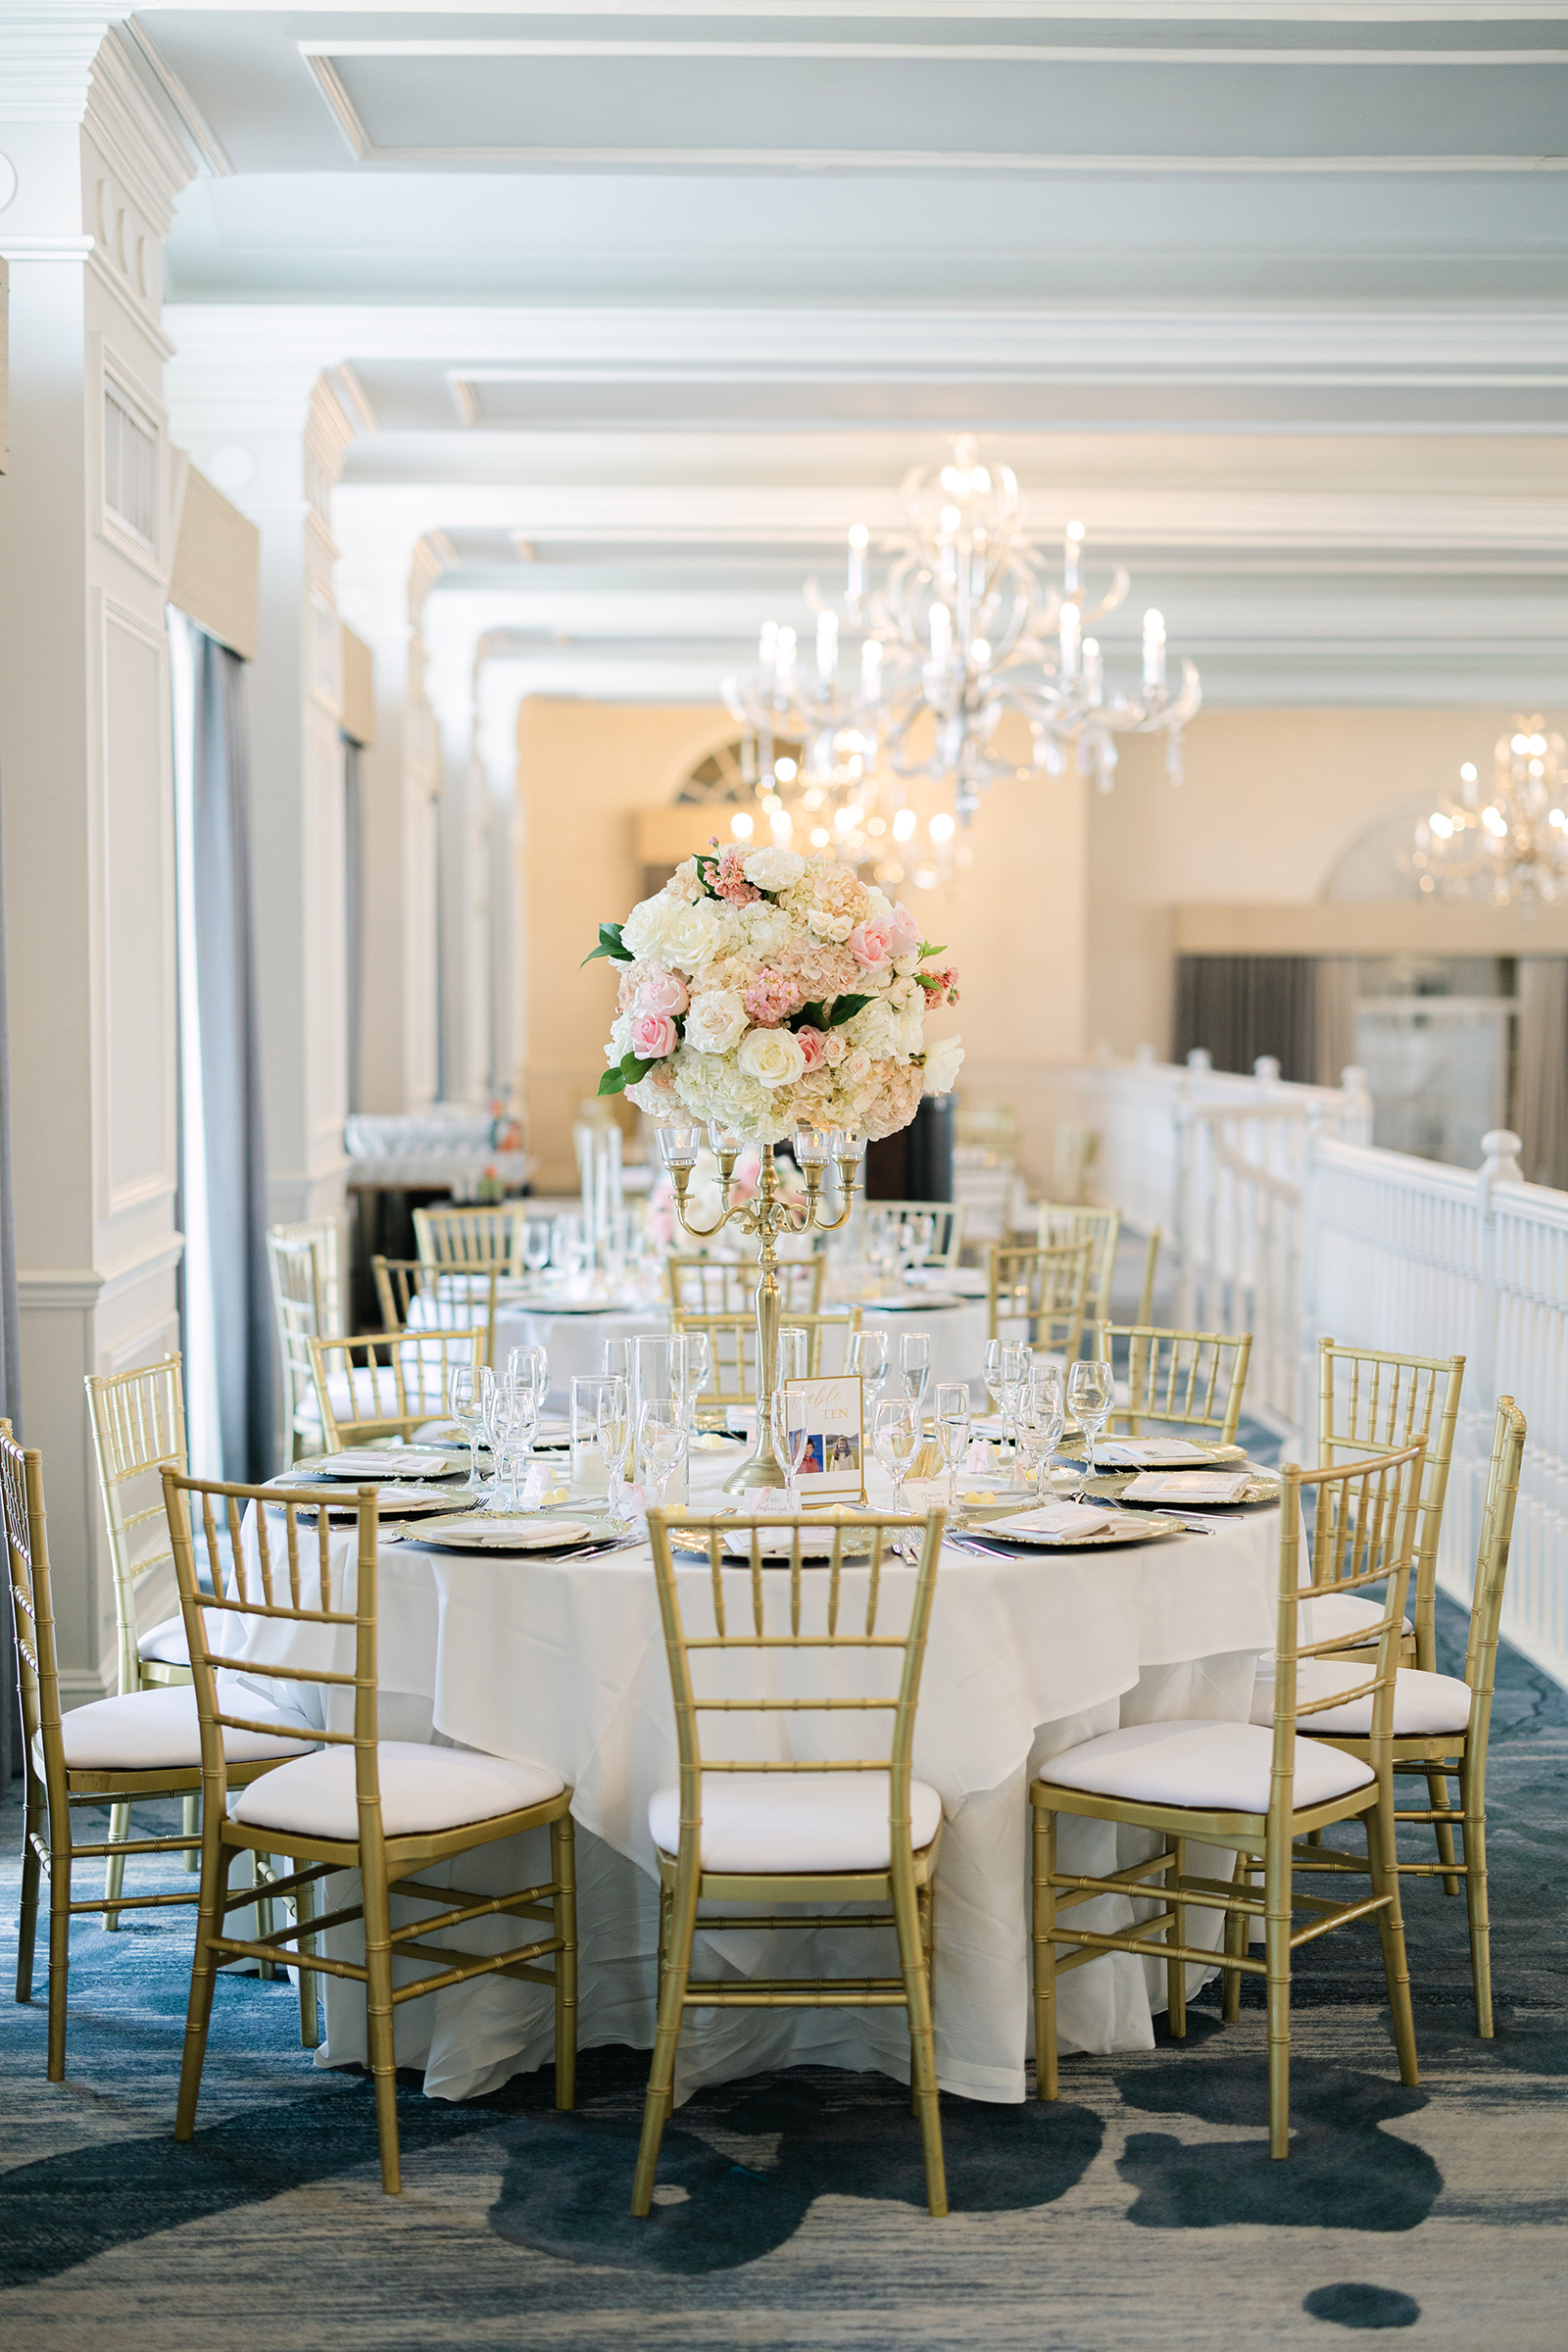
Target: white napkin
{"points": [[1051, 1519], [1189, 1485], [1147, 1452], [380, 1461]]}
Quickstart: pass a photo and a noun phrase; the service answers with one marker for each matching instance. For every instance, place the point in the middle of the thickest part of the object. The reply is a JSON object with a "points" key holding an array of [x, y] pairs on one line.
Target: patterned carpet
{"points": [[1142, 2210]]}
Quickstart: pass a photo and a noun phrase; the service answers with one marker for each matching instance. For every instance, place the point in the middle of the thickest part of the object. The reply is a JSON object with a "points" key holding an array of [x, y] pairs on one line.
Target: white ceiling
{"points": [[1277, 297]]}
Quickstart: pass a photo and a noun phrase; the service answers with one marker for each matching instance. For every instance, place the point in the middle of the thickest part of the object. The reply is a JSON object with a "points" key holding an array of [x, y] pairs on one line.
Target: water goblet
{"points": [[1090, 1395], [896, 1434], [1043, 1415], [953, 1417], [867, 1356], [535, 1245]]}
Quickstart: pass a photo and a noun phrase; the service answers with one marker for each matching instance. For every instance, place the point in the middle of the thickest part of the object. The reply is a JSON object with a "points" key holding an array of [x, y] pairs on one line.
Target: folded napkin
{"points": [[1147, 1452], [1051, 1519], [383, 1461], [1189, 1485]]}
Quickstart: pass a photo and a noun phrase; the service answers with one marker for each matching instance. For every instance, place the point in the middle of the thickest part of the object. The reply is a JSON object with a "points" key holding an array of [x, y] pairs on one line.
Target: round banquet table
{"points": [[563, 1662]]}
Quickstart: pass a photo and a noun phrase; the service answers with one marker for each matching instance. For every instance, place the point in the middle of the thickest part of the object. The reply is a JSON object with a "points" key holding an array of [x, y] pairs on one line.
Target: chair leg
{"points": [[191, 1823], [59, 1860], [1475, 1891], [115, 1864], [925, 1909], [379, 2015], [28, 1920], [564, 1868], [1383, 1871], [671, 2002], [1045, 1951], [216, 1859], [1277, 1957], [309, 2012], [922, 2037], [1443, 1830], [265, 1916], [1176, 1970], [1236, 1927]]}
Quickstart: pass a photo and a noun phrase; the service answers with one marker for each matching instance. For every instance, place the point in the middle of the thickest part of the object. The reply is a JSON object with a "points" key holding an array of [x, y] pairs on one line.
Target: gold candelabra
{"points": [[767, 1214]]}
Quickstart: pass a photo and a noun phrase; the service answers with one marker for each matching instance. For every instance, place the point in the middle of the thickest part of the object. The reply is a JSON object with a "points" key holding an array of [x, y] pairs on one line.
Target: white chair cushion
{"points": [[166, 1645], [1211, 1767], [1424, 1704], [1336, 1614], [795, 1821], [424, 1789], [147, 1730]]}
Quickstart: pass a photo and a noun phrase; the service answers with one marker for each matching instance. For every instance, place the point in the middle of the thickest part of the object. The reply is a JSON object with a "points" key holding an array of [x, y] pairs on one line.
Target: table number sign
{"points": [[834, 1467]]}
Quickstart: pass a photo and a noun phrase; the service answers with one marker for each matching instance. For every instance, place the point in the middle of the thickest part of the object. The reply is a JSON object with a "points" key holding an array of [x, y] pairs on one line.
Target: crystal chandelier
{"points": [[965, 631], [1513, 847]]}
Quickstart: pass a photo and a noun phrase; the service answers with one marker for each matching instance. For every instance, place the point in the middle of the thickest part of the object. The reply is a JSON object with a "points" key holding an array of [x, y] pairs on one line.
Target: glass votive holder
{"points": [[811, 1146], [679, 1142]]}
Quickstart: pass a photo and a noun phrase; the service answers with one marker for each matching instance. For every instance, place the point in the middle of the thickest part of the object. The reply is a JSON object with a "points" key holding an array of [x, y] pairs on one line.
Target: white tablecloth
{"points": [[564, 1663]]}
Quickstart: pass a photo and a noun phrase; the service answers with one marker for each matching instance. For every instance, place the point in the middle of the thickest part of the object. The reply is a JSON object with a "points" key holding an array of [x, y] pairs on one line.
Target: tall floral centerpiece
{"points": [[763, 994]]}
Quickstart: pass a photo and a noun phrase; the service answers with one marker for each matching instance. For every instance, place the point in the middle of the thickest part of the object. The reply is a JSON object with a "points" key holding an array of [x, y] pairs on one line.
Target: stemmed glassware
{"points": [[791, 1435], [535, 1245], [662, 1441], [699, 1370], [867, 1355], [915, 1237], [896, 1434], [915, 1363], [467, 1409], [615, 1439], [1006, 1365], [1090, 1394], [1042, 1418], [531, 1367], [508, 1412], [617, 1360], [953, 1417]]}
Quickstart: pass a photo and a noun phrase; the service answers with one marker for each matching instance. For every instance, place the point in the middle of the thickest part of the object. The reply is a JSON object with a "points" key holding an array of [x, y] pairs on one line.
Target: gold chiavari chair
{"points": [[1059, 1224], [138, 1429], [455, 1298], [131, 1750], [386, 1809], [854, 1829], [712, 1285], [732, 1345], [1195, 1377], [1440, 1723], [946, 1222], [305, 1305], [362, 1397], [1252, 1790], [472, 1237], [1038, 1295]]}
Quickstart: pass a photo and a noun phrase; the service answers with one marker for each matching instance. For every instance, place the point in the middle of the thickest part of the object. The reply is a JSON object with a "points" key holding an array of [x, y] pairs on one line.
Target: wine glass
{"points": [[1043, 1416], [1090, 1395], [953, 1429], [881, 1244], [535, 1245], [698, 1369], [896, 1434], [791, 1437], [467, 1409], [867, 1355], [615, 1439], [992, 1373], [662, 1441], [617, 1360], [915, 1363], [504, 1408]]}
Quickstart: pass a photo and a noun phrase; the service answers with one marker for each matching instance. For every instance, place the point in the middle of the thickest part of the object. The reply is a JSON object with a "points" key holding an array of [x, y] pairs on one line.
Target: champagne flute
{"points": [[992, 1373], [615, 1439], [1044, 1416], [915, 1363], [503, 1410], [464, 1404], [896, 1434], [1014, 1372], [617, 1363], [662, 1441], [867, 1355], [791, 1437], [1090, 1395], [953, 1429], [699, 1370]]}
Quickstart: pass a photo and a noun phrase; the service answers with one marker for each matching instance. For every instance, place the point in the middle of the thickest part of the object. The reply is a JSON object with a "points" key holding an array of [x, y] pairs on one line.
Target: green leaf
{"points": [[844, 1010], [609, 944], [809, 1016], [632, 1070], [613, 1082], [926, 949]]}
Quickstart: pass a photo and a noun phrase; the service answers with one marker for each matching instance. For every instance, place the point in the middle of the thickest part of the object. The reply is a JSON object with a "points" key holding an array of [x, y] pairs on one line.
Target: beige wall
{"points": [[1014, 918], [1272, 801]]}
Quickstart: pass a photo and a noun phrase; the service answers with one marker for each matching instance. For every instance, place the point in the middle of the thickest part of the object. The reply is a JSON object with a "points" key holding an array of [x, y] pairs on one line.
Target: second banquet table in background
{"points": [[563, 1662]]}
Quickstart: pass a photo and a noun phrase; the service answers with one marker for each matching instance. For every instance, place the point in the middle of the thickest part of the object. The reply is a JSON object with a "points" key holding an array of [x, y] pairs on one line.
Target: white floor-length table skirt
{"points": [[564, 1663]]}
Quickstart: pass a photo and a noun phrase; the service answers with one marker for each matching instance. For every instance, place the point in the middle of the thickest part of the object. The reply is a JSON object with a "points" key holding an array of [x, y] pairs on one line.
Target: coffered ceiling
{"points": [[636, 310]]}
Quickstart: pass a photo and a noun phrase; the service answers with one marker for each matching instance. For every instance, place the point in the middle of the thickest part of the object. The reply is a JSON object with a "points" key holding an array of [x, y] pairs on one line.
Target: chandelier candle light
{"points": [[1515, 845], [765, 994]]}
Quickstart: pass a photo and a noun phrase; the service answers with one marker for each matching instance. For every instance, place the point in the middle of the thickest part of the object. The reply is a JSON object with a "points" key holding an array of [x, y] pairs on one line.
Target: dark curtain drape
{"points": [[9, 1378], [230, 1057], [1243, 1006], [354, 910]]}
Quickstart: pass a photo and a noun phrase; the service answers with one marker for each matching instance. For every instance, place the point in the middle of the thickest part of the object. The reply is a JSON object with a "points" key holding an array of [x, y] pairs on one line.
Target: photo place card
{"points": [[834, 1467]]}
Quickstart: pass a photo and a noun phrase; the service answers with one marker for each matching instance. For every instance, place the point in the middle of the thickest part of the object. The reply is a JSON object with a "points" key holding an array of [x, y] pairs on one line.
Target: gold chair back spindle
{"points": [[1195, 1377], [1059, 1224], [834, 1607], [362, 1398], [472, 1237], [1369, 1400], [947, 1223], [1039, 1295], [138, 1430], [710, 1286], [732, 1345], [302, 1264], [416, 1297]]}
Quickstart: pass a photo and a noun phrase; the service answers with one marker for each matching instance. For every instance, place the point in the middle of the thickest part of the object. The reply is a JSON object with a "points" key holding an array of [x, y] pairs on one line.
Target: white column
{"points": [[274, 443], [467, 1026], [85, 548]]}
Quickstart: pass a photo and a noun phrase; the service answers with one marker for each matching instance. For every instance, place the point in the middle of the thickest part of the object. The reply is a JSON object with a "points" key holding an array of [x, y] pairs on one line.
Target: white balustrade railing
{"points": [[1285, 1221]]}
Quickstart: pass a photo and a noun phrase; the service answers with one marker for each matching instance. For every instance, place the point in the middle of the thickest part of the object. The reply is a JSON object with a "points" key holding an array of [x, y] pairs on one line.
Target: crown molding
{"points": [[135, 140], [46, 56], [208, 148], [45, 249]]}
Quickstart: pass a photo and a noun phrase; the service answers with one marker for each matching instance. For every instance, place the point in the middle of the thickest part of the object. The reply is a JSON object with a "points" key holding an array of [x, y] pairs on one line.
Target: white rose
{"points": [[772, 868], [644, 928], [715, 1020], [881, 905], [941, 1065], [773, 1057], [689, 935]]}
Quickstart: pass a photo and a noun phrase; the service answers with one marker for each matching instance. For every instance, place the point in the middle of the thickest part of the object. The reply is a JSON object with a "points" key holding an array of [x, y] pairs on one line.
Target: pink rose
{"points": [[906, 932], [813, 1043], [661, 992], [871, 944], [653, 1036]]}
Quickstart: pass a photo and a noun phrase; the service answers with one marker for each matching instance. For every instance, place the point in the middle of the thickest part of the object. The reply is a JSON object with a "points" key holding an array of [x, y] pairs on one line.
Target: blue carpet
{"points": [[1141, 2209]]}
